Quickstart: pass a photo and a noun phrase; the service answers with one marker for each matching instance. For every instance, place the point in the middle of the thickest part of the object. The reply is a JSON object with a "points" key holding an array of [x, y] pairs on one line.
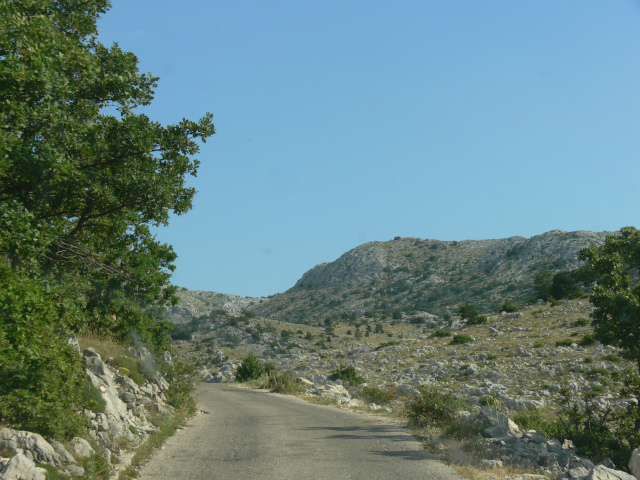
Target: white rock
{"points": [[22, 468], [601, 472], [634, 463]]}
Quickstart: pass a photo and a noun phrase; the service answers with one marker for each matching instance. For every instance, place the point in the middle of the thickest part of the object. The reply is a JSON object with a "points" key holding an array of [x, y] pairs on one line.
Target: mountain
{"points": [[414, 277]]}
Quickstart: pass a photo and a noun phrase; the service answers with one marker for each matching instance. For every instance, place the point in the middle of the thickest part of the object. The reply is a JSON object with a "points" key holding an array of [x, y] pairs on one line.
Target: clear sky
{"points": [[342, 122]]}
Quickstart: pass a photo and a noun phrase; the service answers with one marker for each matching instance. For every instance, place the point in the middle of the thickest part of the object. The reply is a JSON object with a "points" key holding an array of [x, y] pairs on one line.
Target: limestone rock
{"points": [[601, 472], [32, 445], [407, 390], [21, 468], [82, 447], [634, 463]]}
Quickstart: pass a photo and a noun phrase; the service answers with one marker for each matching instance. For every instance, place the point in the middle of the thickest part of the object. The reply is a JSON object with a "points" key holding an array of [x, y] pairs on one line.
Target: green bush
{"points": [[182, 383], [587, 339], [41, 376], [487, 400], [479, 320], [347, 374], [508, 307], [433, 408], [133, 368], [530, 419], [92, 398], [440, 334], [370, 394], [250, 369], [390, 343], [564, 343], [284, 382], [461, 339], [581, 322], [600, 433]]}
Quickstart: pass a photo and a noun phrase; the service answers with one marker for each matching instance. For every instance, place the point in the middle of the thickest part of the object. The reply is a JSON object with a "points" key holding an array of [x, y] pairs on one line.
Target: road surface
{"points": [[253, 434]]}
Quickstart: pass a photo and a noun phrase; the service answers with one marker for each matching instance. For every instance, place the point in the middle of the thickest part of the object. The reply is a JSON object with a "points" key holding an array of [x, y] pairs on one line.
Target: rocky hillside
{"points": [[518, 361], [408, 276], [197, 303]]}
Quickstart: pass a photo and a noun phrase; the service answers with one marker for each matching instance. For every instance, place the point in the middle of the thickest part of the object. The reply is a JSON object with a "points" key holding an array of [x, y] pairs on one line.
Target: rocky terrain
{"points": [[121, 424], [409, 276], [519, 360]]}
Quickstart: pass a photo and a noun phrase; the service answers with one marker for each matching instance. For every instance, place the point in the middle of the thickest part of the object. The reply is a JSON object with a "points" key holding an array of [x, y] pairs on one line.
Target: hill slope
{"points": [[411, 275], [408, 276]]}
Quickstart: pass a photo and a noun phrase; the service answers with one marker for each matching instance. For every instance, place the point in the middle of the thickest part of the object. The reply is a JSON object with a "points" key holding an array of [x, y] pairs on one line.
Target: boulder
{"points": [[600, 472], [82, 447], [32, 446], [499, 424], [21, 468], [634, 463], [407, 391]]}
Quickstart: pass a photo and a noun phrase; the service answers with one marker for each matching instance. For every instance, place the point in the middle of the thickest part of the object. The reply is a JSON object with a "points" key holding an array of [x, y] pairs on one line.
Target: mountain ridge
{"points": [[410, 275]]}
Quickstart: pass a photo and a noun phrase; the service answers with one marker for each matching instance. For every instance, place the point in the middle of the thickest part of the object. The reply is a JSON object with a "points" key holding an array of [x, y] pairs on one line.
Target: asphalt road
{"points": [[251, 434]]}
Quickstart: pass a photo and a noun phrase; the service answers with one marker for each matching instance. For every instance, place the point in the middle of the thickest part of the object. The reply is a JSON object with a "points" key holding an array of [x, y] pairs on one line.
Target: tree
{"points": [[83, 180], [616, 295], [563, 285], [542, 283], [80, 169]]}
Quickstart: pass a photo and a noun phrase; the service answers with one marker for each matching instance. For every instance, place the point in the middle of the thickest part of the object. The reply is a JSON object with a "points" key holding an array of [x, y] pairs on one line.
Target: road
{"points": [[253, 434]]}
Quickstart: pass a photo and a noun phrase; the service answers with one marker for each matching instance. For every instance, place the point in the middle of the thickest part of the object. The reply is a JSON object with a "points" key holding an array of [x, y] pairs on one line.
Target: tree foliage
{"points": [[616, 295], [84, 177]]}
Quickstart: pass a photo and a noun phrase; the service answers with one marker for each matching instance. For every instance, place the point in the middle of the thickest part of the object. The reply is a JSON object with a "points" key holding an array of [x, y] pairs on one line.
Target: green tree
{"points": [[563, 285], [616, 295], [468, 312], [83, 180], [542, 283], [250, 369], [81, 170]]}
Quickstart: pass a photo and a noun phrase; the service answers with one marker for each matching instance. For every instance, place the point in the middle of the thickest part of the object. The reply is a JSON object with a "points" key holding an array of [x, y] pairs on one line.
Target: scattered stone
{"points": [[82, 447]]}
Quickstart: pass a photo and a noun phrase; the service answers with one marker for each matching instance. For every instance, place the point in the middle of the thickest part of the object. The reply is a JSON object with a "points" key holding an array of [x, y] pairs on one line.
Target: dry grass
{"points": [[105, 346]]}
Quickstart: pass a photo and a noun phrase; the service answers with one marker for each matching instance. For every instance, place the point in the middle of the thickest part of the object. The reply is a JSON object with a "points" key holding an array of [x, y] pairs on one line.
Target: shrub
{"points": [[612, 357], [270, 368], [181, 378], [538, 345], [564, 343], [602, 432], [347, 374], [488, 400], [250, 369], [461, 339], [92, 398], [440, 334], [371, 394], [581, 322], [283, 382], [479, 320], [588, 339], [133, 368], [387, 344], [508, 307], [436, 409], [530, 419]]}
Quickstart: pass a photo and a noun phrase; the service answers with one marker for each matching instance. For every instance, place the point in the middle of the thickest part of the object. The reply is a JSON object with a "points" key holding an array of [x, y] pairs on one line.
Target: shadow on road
{"points": [[382, 433]]}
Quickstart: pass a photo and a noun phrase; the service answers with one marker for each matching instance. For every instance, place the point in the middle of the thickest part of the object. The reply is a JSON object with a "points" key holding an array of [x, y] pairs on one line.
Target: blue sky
{"points": [[342, 122]]}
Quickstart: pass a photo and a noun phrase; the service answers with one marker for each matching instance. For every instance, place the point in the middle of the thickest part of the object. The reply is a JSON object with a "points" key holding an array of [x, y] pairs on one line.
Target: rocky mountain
{"points": [[409, 277], [197, 303]]}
